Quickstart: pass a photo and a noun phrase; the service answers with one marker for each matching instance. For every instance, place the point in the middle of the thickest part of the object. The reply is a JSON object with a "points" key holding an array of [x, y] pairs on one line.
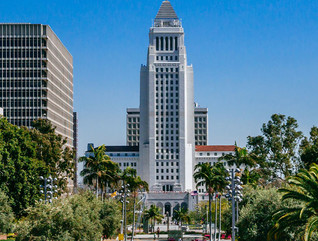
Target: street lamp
{"points": [[167, 213], [234, 195], [124, 194], [48, 189]]}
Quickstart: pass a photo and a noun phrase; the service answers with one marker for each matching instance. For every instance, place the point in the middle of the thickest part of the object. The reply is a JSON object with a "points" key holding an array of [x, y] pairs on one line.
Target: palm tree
{"points": [[241, 157], [153, 213], [220, 174], [213, 178], [303, 188], [98, 168], [108, 175], [135, 184], [181, 215]]}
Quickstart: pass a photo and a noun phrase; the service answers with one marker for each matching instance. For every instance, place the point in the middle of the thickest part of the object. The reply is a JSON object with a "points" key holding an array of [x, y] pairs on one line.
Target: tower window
{"points": [[161, 44], [176, 43], [171, 44], [167, 44], [157, 44]]}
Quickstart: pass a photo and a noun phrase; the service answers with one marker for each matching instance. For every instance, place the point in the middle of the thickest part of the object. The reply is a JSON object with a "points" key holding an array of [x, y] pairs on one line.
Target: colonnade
{"points": [[166, 43]]}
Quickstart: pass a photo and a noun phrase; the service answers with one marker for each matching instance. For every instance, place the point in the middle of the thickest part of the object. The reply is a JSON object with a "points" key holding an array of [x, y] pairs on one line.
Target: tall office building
{"points": [[36, 77], [168, 134], [167, 107], [200, 126]]}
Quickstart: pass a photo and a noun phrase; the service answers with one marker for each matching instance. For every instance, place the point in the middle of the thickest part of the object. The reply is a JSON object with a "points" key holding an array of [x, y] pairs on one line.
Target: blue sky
{"points": [[251, 59]]}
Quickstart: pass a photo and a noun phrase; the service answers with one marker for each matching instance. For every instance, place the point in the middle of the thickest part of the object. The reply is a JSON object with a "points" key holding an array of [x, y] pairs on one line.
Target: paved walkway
{"points": [[186, 237]]}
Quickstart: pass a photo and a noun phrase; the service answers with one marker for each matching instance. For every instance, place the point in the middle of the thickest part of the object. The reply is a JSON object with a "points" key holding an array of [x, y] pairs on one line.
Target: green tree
{"points": [[77, 217], [6, 214], [303, 188], [277, 146], [240, 158], [51, 149], [153, 214], [136, 184], [110, 217], [214, 180], [309, 149], [27, 154], [243, 159], [181, 216], [99, 169], [256, 211], [256, 214]]}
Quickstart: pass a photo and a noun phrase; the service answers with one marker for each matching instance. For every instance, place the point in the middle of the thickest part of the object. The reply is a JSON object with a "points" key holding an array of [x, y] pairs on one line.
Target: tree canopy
{"points": [[6, 214], [77, 217], [277, 146], [303, 190], [25, 155], [309, 148]]}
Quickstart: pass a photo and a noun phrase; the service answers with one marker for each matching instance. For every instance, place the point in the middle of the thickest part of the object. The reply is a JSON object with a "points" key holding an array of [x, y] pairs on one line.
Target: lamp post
{"points": [[167, 213], [207, 219], [220, 215], [48, 189], [234, 195], [124, 201]]}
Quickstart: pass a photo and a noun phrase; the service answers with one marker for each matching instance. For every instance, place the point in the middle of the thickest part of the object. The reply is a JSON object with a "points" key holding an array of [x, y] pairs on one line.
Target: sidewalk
{"points": [[164, 237]]}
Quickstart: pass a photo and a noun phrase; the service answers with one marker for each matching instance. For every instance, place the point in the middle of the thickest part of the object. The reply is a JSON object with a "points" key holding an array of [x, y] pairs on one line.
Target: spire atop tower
{"points": [[166, 11]]}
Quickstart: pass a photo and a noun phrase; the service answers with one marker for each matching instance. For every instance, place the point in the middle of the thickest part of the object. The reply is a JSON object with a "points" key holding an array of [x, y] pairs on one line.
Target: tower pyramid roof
{"points": [[166, 11]]}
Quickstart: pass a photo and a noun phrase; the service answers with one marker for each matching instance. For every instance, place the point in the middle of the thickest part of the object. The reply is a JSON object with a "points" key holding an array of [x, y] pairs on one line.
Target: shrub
{"points": [[78, 217], [6, 214]]}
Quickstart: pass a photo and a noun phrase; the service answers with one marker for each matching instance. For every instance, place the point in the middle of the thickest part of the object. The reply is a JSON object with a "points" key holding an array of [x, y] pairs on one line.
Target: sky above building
{"points": [[251, 59]]}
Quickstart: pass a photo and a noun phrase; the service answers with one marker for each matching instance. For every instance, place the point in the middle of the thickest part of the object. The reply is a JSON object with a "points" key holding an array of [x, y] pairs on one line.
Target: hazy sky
{"points": [[251, 59]]}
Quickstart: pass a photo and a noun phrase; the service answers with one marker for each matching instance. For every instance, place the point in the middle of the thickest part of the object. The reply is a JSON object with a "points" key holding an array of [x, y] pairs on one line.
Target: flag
{"points": [[194, 193], [114, 194]]}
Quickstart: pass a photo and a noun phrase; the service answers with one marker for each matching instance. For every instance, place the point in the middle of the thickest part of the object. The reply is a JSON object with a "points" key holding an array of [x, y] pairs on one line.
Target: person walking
{"points": [[158, 232]]}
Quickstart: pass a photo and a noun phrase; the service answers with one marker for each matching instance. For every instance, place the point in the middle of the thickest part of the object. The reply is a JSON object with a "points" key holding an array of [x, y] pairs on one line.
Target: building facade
{"points": [[132, 126], [167, 107], [168, 134], [200, 126], [36, 77]]}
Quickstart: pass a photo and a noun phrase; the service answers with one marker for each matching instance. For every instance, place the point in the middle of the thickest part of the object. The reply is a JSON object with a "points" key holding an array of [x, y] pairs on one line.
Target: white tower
{"points": [[166, 107]]}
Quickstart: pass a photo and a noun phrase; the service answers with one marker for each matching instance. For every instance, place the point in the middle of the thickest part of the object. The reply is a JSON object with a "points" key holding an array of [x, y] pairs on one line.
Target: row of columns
{"points": [[167, 207], [166, 43]]}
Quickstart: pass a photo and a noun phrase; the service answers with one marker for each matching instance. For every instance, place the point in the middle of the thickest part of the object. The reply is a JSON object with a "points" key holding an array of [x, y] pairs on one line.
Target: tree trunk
{"points": [[102, 191], [216, 215], [134, 220], [210, 215], [97, 187]]}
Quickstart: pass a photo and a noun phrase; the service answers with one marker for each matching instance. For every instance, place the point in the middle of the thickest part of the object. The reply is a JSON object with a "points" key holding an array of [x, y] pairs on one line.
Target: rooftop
{"points": [[122, 148], [166, 11]]}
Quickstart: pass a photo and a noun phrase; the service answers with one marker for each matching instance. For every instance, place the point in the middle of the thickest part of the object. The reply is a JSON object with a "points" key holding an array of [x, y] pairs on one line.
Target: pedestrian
{"points": [[158, 231]]}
